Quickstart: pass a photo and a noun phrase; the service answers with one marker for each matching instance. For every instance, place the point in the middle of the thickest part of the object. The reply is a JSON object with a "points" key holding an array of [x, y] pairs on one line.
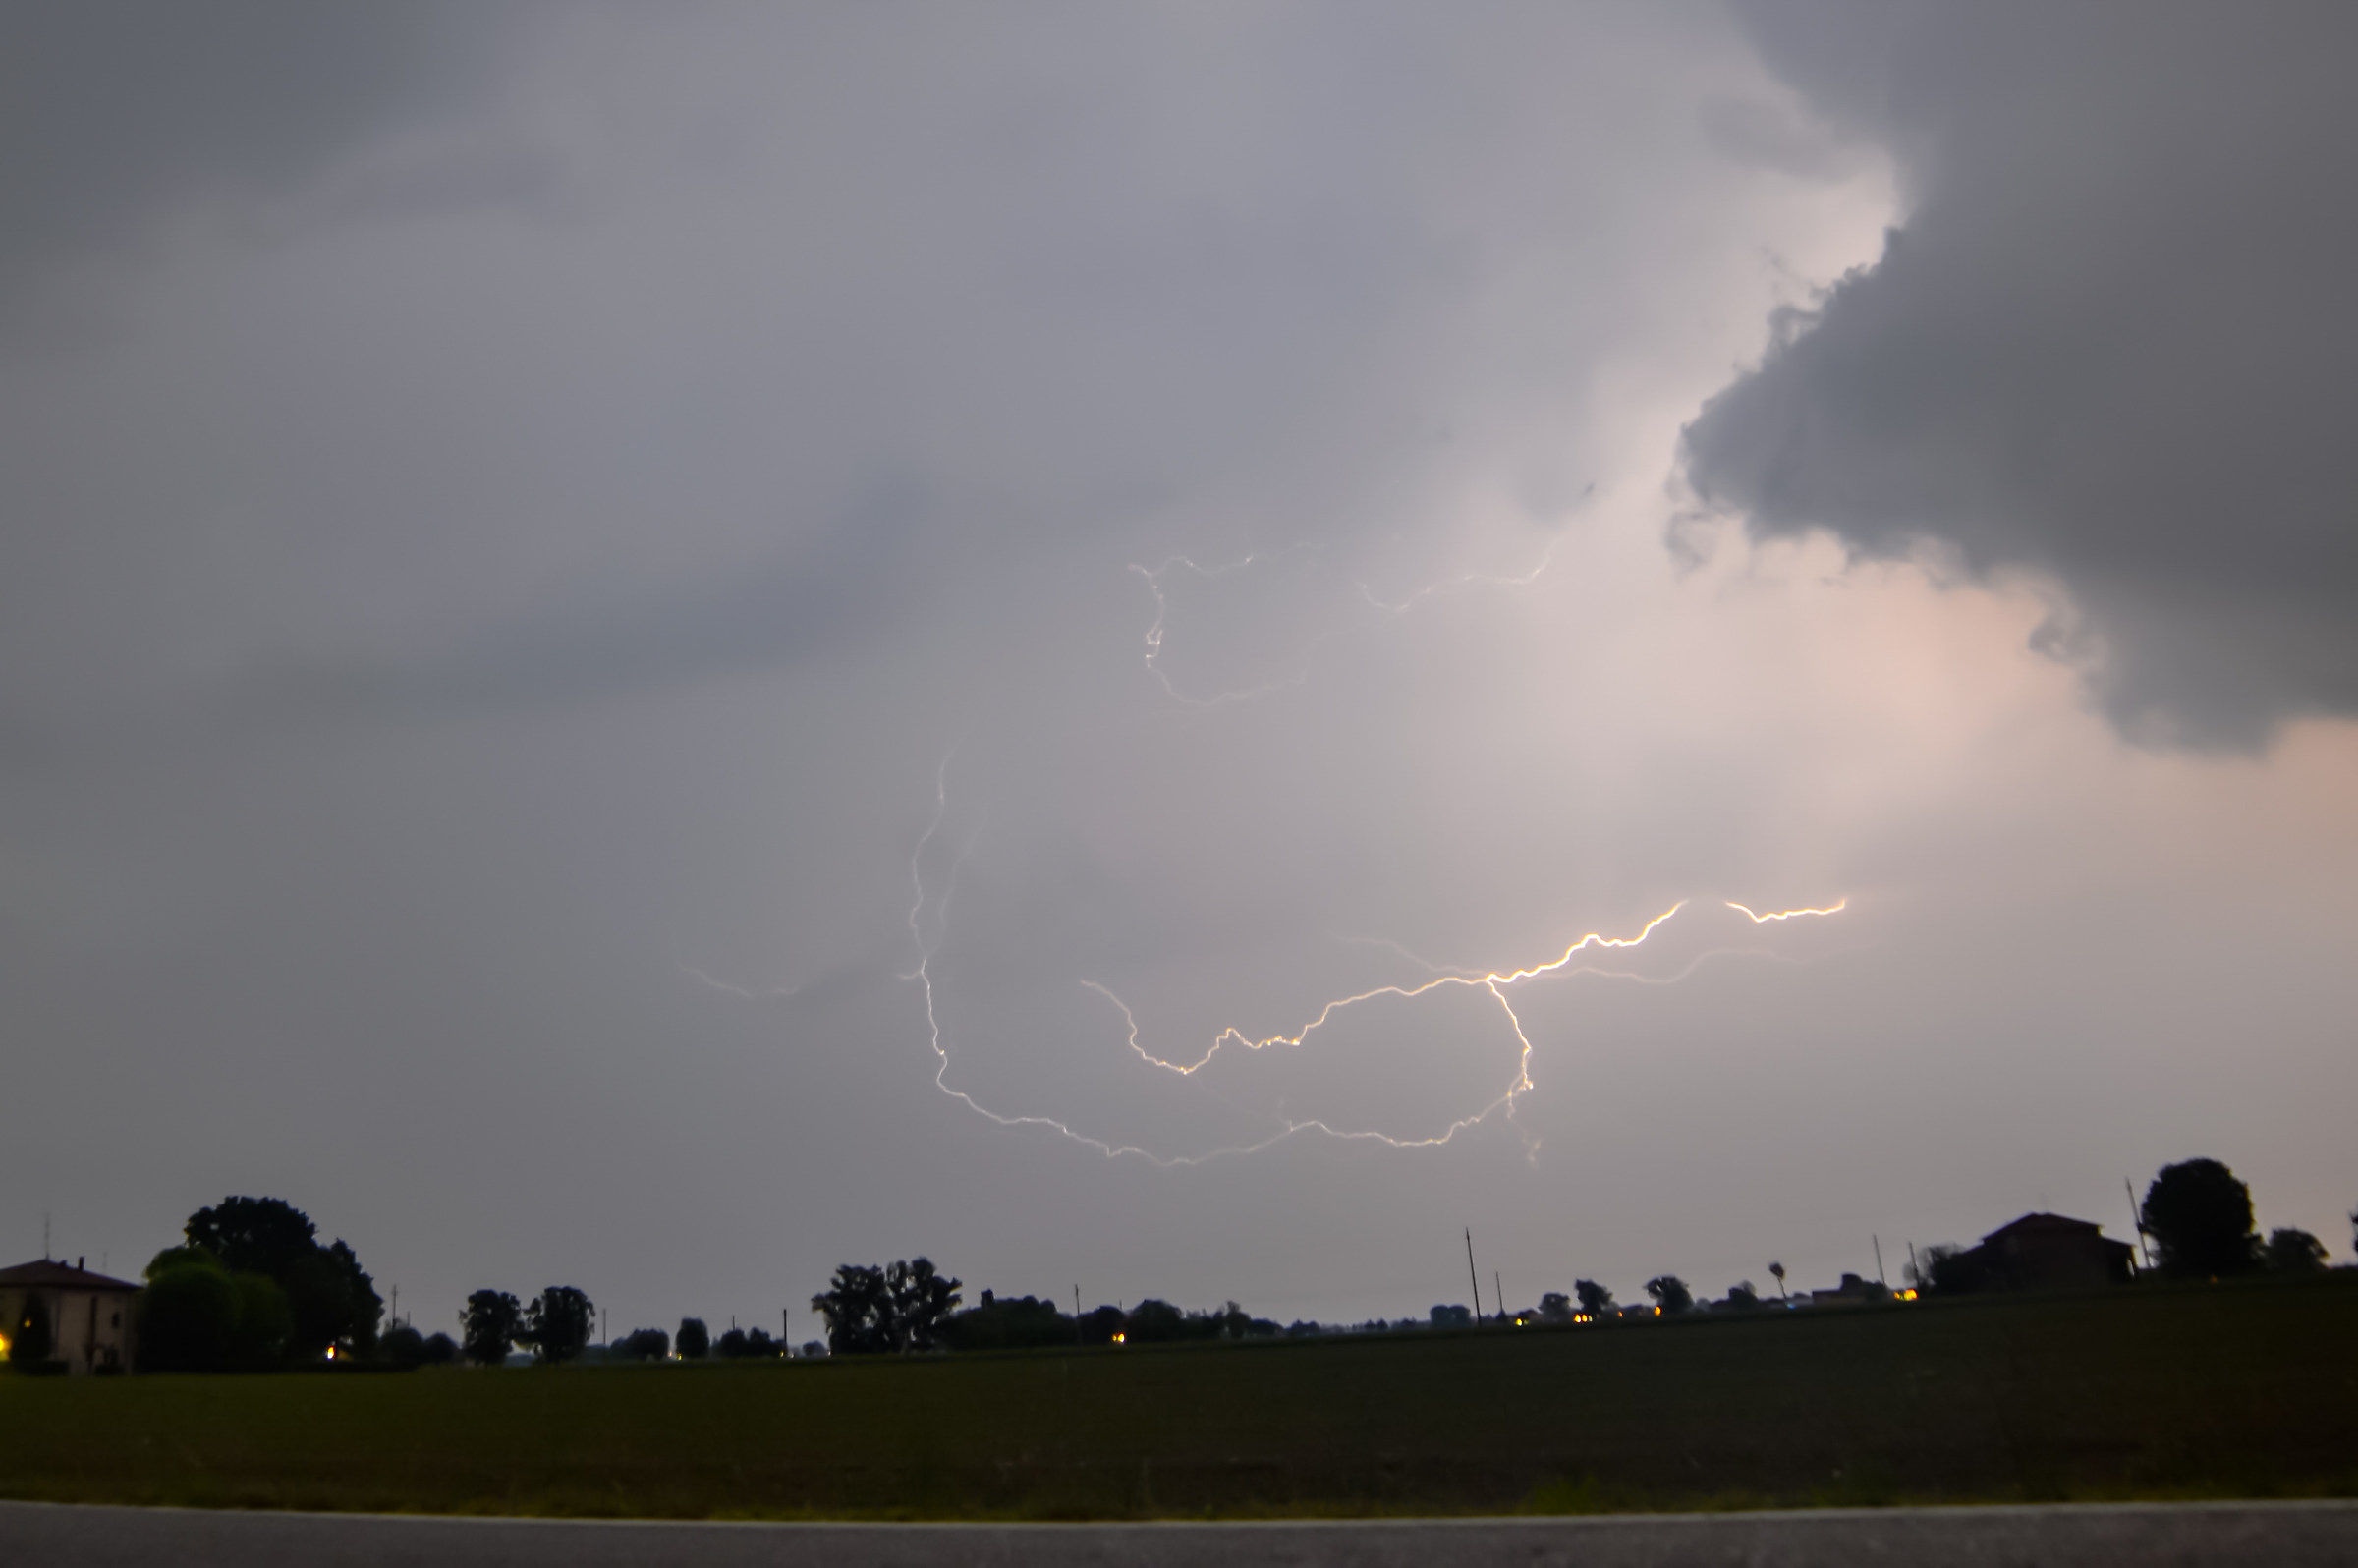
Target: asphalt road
{"points": [[2291, 1535]]}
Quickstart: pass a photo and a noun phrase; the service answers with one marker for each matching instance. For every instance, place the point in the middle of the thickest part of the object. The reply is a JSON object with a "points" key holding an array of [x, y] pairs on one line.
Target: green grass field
{"points": [[2248, 1389]]}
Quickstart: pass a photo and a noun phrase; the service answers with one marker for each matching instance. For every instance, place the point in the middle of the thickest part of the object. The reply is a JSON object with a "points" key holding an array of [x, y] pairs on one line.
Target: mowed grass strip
{"points": [[2234, 1391]]}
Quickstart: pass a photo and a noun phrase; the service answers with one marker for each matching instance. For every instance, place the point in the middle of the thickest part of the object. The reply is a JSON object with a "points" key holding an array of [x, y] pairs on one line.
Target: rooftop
{"points": [[50, 1275]]}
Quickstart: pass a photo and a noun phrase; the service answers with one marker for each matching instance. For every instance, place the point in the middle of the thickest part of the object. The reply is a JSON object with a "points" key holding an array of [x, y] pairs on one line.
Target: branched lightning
{"points": [[1464, 580], [1493, 982], [1153, 577]]}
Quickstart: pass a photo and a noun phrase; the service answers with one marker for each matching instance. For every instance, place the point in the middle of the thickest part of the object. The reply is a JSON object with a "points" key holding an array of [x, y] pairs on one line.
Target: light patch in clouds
{"points": [[2108, 346]]}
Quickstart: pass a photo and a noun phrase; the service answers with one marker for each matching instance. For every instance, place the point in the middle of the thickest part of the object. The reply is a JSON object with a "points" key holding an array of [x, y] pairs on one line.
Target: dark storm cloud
{"points": [[114, 114], [2111, 343]]}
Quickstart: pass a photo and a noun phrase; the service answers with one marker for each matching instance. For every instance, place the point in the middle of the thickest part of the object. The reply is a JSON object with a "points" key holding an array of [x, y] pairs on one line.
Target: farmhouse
{"points": [[89, 1315], [2040, 1251]]}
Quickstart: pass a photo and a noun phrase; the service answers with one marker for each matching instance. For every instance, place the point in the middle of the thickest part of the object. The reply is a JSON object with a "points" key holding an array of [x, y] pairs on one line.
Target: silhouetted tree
{"points": [[556, 1323], [731, 1345], [440, 1350], [1934, 1269], [489, 1325], [759, 1346], [2200, 1216], [1555, 1307], [903, 1307], [1776, 1271], [922, 1299], [693, 1341], [187, 1313], [264, 1323], [641, 1344], [1102, 1325], [1742, 1297], [255, 1235], [32, 1337], [1670, 1294], [1456, 1315], [858, 1312], [2294, 1252], [1595, 1300], [1153, 1322], [1004, 1322], [402, 1348], [330, 1299]]}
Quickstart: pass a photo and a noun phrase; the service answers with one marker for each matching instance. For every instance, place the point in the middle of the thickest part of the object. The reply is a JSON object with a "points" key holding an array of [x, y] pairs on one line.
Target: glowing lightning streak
{"points": [[1493, 982], [1835, 908], [1153, 639]]}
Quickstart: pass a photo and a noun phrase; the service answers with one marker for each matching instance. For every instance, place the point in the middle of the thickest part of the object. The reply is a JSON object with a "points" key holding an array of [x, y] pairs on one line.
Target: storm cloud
{"points": [[613, 620], [2108, 347]]}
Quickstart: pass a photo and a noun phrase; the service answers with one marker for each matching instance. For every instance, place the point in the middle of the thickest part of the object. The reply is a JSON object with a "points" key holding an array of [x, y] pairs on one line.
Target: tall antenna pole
{"points": [[2137, 1218], [1498, 1296], [1472, 1278], [1878, 1262]]}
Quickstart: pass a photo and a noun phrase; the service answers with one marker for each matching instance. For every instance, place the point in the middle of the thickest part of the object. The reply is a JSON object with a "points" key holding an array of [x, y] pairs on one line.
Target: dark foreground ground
{"points": [[2154, 1535], [2230, 1391]]}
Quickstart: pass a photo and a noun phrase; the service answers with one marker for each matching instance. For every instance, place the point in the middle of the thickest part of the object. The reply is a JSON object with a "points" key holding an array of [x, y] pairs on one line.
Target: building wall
{"points": [[92, 1330]]}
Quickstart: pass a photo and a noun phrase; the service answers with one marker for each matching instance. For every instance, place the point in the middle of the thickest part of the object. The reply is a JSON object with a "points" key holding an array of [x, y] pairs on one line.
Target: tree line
{"points": [[252, 1288]]}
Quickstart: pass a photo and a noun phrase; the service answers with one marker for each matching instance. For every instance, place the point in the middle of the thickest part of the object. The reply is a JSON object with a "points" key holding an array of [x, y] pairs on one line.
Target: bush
{"points": [[404, 1348], [188, 1314], [693, 1341]]}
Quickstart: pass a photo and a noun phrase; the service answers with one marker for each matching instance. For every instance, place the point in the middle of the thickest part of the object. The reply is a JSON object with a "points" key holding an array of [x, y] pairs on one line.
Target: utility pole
{"points": [[2137, 1218], [786, 1329], [1916, 1268], [1076, 1315], [1878, 1262], [395, 1312], [1498, 1295], [1472, 1278]]}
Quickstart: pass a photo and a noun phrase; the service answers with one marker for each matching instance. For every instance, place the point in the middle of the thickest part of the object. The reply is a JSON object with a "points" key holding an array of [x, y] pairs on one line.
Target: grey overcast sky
{"points": [[657, 648]]}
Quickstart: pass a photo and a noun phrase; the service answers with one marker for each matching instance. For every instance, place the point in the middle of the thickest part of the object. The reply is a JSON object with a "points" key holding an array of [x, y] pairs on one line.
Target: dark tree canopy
{"points": [[255, 1235], [198, 1316], [403, 1347], [1742, 1296], [1595, 1300], [489, 1323], [2200, 1217], [901, 1307], [329, 1298], [1555, 1307], [693, 1341], [641, 1344], [1670, 1294], [2294, 1252], [556, 1324], [1154, 1323], [1452, 1314], [440, 1350]]}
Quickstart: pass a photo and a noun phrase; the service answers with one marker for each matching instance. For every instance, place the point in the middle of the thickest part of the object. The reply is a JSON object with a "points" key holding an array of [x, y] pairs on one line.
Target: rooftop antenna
{"points": [[1472, 1278], [2137, 1218]]}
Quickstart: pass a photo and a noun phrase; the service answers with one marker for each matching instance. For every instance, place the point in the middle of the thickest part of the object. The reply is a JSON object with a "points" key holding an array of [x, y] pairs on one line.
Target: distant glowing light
{"points": [[1121, 1340]]}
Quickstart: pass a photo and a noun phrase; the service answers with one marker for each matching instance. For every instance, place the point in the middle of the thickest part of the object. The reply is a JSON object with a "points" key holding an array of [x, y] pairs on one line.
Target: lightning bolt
{"points": [[1153, 577], [1835, 908], [1496, 983]]}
